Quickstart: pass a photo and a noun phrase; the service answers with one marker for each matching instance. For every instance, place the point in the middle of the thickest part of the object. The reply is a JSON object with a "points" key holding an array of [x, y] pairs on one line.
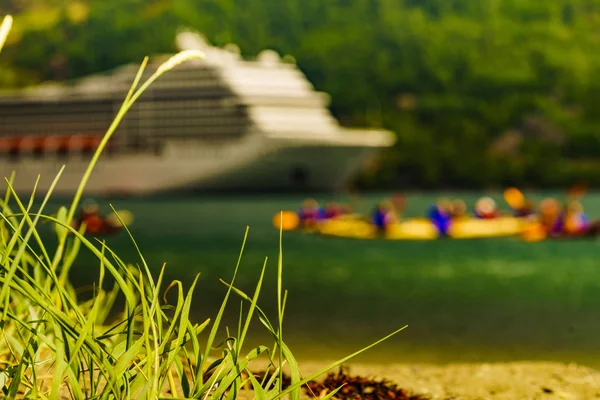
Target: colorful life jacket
{"points": [[379, 219], [557, 227], [314, 214], [575, 223], [440, 220], [333, 212]]}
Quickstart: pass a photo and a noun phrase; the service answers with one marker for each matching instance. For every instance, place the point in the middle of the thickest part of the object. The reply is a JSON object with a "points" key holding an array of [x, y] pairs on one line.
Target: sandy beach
{"points": [[514, 381], [506, 381]]}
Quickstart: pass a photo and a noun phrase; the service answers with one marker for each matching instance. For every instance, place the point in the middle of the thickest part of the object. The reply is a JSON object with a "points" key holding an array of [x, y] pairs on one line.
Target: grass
{"points": [[55, 345]]}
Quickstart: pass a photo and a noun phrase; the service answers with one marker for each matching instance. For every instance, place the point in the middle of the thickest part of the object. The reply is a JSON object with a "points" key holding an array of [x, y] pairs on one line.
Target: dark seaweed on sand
{"points": [[354, 387]]}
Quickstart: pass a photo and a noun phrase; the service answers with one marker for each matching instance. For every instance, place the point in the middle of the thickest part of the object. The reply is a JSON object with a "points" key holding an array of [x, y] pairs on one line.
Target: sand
{"points": [[514, 381]]}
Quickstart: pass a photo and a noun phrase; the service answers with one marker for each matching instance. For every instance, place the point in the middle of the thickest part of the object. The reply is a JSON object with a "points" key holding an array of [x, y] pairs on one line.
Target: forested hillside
{"points": [[479, 92]]}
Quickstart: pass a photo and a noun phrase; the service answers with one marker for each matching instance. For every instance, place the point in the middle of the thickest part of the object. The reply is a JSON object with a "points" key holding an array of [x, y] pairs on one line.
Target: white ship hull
{"points": [[254, 163]]}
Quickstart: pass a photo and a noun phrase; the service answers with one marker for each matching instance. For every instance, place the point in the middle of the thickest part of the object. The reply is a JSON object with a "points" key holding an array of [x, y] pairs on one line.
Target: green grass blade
{"points": [[12, 267], [280, 304], [253, 303], [75, 388], [124, 363], [183, 319], [5, 29], [33, 231], [178, 309], [223, 367], [259, 391], [236, 369], [87, 329], [136, 81], [215, 327], [31, 223], [109, 266], [332, 393], [60, 365], [137, 248]]}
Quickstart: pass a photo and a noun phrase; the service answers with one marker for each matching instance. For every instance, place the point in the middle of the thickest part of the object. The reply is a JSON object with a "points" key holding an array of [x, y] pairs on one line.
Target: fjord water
{"points": [[477, 300]]}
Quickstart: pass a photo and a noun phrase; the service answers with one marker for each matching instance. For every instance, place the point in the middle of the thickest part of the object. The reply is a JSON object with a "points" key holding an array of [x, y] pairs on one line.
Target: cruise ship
{"points": [[217, 124]]}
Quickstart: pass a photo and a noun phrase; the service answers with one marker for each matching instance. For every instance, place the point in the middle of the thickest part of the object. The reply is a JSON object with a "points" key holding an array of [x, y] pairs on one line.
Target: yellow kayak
{"points": [[355, 226], [471, 228], [423, 229], [413, 229]]}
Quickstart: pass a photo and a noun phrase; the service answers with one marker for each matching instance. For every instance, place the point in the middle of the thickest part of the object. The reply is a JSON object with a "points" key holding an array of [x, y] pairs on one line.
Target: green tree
{"points": [[478, 92]]}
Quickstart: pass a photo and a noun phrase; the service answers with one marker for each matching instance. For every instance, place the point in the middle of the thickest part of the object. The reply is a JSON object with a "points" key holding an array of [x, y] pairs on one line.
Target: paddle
{"points": [[287, 220]]}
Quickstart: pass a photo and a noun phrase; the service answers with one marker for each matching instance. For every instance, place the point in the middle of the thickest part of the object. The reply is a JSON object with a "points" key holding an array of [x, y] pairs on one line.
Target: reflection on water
{"points": [[493, 299]]}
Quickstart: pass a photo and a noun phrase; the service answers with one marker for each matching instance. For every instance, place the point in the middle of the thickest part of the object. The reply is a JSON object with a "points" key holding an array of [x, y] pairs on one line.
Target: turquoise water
{"points": [[479, 300]]}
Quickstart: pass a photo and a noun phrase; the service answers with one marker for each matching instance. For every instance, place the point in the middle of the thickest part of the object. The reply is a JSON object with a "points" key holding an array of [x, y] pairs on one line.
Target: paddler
{"points": [[333, 210], [310, 212], [485, 208], [90, 215], [550, 217], [571, 222], [575, 222], [383, 216], [95, 222], [526, 210], [440, 216], [459, 209]]}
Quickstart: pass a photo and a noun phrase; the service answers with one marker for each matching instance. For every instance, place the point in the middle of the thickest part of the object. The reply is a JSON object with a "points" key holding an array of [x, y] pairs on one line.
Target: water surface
{"points": [[478, 300]]}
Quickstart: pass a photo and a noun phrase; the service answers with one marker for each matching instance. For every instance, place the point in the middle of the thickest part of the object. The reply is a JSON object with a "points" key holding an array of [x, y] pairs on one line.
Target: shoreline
{"points": [[476, 381]]}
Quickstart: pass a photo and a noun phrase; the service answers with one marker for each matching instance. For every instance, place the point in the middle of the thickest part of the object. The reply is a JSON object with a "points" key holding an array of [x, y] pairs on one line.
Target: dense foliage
{"points": [[479, 92]]}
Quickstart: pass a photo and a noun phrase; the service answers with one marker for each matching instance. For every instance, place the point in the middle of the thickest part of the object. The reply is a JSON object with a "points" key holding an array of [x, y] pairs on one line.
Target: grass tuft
{"points": [[55, 345]]}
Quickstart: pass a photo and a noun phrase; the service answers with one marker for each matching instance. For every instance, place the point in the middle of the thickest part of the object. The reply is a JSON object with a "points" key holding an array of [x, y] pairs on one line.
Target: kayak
{"points": [[423, 229], [537, 233], [359, 227], [471, 228], [413, 229], [108, 225]]}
